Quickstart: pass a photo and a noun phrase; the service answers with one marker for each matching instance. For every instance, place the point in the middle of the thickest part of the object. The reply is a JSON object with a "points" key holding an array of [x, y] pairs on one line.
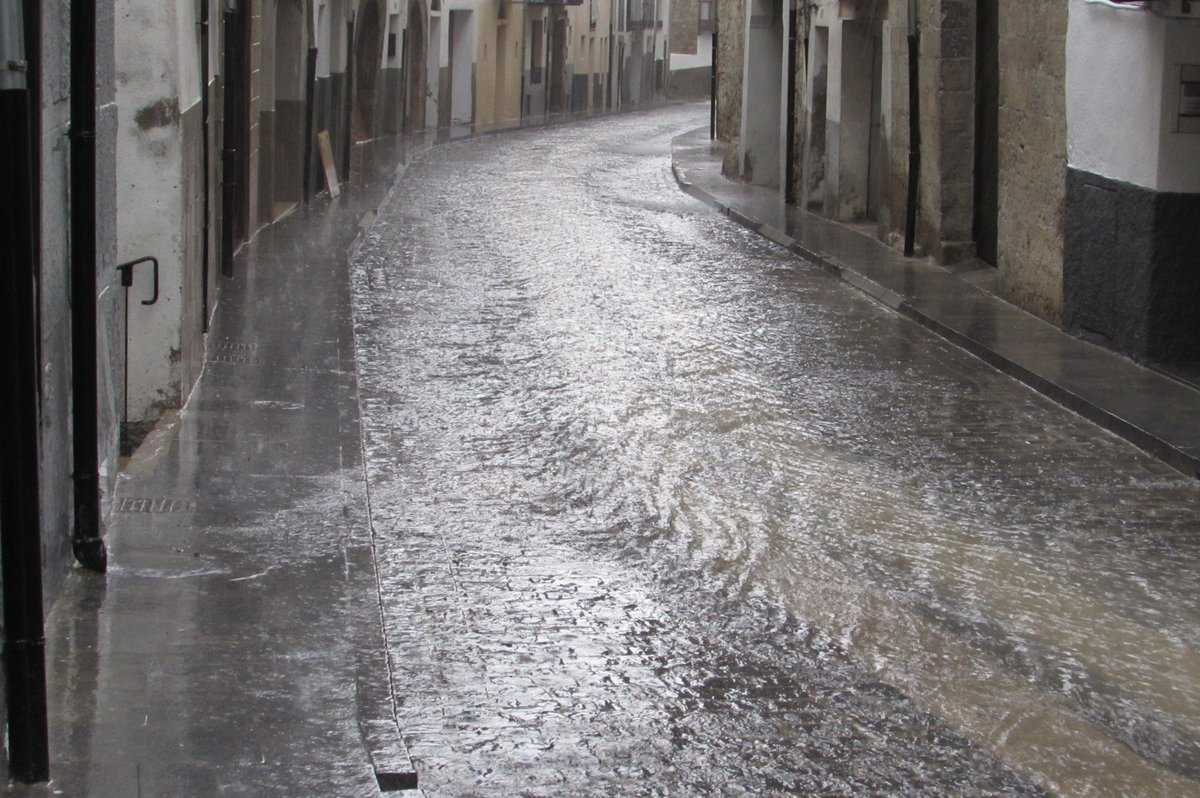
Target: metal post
{"points": [[310, 91], [914, 130], [20, 521], [89, 549]]}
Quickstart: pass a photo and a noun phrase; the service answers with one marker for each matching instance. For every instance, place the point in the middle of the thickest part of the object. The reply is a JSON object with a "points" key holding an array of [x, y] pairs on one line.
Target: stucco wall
{"points": [[55, 484], [150, 193], [1033, 153]]}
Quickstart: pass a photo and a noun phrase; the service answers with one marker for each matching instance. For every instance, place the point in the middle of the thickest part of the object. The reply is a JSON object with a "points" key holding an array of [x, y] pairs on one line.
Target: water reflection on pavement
{"points": [[663, 510]]}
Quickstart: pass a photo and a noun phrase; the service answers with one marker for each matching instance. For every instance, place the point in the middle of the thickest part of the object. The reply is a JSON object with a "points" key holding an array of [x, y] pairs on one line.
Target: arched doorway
{"points": [[368, 60], [415, 42], [288, 100]]}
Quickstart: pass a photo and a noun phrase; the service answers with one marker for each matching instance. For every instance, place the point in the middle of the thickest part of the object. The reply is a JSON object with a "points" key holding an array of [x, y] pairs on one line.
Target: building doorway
{"points": [[288, 122], [815, 161], [415, 43], [462, 63], [987, 130], [368, 58], [557, 84], [859, 127]]}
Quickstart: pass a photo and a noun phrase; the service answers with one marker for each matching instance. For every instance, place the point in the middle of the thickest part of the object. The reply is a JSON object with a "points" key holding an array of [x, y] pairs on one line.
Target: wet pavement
{"points": [[1156, 409], [663, 509], [646, 506], [234, 646]]}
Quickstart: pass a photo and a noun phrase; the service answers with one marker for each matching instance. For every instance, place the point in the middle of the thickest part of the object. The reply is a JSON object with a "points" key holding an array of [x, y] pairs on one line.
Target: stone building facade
{"points": [[819, 108]]}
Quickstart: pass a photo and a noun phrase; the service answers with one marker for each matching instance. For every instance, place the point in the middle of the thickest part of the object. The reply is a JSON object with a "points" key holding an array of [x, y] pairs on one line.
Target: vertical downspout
{"points": [[914, 130], [204, 164], [88, 547], [20, 520]]}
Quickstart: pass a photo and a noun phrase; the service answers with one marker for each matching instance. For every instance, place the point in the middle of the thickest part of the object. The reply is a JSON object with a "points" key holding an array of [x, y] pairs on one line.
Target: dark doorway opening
{"points": [[235, 169], [368, 57], [288, 146], [414, 67], [987, 130], [792, 58], [558, 63]]}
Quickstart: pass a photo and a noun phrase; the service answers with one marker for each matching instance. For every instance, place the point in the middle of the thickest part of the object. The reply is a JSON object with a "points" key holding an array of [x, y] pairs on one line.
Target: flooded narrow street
{"points": [[661, 509]]}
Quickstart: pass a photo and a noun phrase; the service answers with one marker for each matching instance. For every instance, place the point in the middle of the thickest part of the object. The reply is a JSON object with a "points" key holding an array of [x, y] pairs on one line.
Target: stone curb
{"points": [[1148, 442]]}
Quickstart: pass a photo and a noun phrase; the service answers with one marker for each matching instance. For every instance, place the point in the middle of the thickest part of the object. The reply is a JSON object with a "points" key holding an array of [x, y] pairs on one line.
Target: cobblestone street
{"points": [[661, 509]]}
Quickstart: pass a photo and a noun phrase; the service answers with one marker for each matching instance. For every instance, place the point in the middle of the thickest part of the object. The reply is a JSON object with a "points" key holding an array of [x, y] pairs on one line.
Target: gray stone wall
{"points": [[1033, 153], [895, 188], [689, 84], [948, 130], [731, 24], [800, 125], [54, 311]]}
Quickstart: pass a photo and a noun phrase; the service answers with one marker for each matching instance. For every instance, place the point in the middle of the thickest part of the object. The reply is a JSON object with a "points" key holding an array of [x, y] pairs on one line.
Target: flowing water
{"points": [[662, 509]]}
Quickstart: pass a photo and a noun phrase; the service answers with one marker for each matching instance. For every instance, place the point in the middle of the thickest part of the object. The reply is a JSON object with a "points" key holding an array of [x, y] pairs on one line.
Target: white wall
{"points": [[1122, 96], [157, 80], [1114, 101]]}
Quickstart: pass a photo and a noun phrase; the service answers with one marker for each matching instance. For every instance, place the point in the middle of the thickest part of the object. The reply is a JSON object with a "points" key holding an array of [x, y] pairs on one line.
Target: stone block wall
{"points": [[731, 25], [1033, 153]]}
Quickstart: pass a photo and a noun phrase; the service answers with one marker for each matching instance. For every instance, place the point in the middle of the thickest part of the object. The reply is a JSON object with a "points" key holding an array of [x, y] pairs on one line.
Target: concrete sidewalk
{"points": [[235, 646], [1154, 412]]}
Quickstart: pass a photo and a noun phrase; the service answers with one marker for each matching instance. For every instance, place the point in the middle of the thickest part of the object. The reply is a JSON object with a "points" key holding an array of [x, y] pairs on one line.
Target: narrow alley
{"points": [[661, 509]]}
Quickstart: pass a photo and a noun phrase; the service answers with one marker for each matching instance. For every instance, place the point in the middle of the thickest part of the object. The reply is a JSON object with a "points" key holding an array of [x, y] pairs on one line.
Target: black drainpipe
{"points": [[20, 521], [914, 130], [789, 168], [310, 92], [88, 547], [204, 162]]}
